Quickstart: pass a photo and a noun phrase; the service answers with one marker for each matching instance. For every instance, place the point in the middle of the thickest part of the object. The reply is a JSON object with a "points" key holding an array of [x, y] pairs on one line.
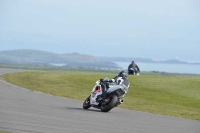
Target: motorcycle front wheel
{"points": [[86, 103], [110, 105]]}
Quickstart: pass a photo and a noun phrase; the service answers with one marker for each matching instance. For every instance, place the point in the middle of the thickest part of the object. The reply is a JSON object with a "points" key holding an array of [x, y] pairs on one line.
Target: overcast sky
{"points": [[158, 29]]}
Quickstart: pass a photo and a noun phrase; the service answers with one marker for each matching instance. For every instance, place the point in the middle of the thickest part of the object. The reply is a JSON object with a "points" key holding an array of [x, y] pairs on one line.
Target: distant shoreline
{"points": [[164, 67]]}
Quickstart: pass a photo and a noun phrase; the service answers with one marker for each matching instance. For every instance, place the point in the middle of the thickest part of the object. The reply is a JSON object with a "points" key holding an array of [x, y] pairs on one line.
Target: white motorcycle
{"points": [[114, 95]]}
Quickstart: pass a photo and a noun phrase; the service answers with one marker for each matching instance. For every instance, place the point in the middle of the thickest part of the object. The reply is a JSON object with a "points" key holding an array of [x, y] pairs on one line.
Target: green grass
{"points": [[170, 95]]}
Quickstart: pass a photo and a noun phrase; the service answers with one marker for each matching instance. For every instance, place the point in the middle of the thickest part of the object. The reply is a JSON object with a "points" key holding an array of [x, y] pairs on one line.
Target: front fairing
{"points": [[96, 91]]}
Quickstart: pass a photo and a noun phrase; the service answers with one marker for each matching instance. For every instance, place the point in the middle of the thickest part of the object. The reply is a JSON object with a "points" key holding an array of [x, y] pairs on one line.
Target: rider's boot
{"points": [[104, 99]]}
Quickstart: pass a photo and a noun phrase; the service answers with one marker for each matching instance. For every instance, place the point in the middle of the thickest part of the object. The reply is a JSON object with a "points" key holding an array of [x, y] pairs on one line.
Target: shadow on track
{"points": [[81, 109]]}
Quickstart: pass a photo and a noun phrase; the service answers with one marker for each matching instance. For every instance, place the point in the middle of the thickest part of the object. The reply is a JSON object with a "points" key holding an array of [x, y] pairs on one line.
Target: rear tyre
{"points": [[86, 103], [109, 106]]}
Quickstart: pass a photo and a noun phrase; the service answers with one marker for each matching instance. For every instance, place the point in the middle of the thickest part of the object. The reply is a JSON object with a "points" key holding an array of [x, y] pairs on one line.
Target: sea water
{"points": [[164, 67]]}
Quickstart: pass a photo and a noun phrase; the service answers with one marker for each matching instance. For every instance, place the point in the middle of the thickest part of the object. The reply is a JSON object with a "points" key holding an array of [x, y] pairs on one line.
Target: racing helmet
{"points": [[122, 74]]}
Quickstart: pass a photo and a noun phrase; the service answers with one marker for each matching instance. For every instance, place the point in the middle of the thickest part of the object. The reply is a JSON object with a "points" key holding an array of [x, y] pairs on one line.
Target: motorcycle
{"points": [[114, 95]]}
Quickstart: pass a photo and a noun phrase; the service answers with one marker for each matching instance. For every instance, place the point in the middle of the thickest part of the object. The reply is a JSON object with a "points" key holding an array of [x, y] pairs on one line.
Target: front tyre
{"points": [[108, 107], [86, 103]]}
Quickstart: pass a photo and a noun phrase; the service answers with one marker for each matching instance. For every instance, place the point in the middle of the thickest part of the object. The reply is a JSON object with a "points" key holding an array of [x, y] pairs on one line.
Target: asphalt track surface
{"points": [[26, 111]]}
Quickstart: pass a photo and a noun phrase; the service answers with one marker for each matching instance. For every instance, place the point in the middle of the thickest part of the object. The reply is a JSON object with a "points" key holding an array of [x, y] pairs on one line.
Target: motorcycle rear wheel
{"points": [[86, 103], [106, 108]]}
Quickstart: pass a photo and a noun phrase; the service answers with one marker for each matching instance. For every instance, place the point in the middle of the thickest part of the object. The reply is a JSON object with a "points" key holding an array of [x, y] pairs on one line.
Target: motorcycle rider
{"points": [[133, 66], [120, 79]]}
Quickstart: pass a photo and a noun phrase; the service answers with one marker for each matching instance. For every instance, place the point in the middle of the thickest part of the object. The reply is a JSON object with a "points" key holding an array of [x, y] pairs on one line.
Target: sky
{"points": [[157, 29]]}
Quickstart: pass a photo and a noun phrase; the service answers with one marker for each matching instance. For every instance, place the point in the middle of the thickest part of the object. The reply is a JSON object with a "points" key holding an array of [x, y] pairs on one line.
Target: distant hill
{"points": [[36, 57], [27, 57]]}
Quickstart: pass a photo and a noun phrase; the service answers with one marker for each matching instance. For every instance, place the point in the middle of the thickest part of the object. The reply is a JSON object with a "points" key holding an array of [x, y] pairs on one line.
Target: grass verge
{"points": [[170, 95]]}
